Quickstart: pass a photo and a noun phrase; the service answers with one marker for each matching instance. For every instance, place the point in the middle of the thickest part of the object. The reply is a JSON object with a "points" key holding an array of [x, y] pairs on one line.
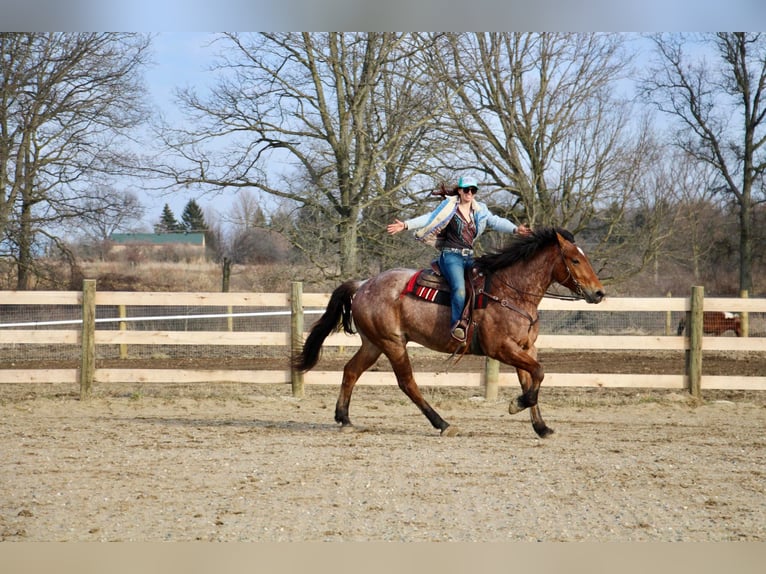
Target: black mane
{"points": [[521, 248]]}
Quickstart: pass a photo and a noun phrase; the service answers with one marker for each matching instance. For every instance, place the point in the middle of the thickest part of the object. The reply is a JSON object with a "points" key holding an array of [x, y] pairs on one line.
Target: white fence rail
{"points": [[218, 320]]}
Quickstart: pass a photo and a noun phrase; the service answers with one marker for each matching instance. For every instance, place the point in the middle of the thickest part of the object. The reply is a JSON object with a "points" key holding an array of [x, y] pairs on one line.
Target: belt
{"points": [[464, 252]]}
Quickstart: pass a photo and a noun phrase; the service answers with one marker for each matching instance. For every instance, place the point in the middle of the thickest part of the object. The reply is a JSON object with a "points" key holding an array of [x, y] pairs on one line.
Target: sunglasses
{"points": [[472, 190]]}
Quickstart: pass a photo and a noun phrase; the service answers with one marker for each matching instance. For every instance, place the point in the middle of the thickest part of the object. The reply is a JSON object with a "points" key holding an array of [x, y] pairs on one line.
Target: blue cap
{"points": [[464, 182]]}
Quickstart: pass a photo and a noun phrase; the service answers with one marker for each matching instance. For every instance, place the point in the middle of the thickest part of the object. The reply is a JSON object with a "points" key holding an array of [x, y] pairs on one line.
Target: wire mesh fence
{"points": [[269, 319]]}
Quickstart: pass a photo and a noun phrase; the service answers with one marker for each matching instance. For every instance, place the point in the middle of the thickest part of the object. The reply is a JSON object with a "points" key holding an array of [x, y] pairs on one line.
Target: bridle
{"points": [[579, 291]]}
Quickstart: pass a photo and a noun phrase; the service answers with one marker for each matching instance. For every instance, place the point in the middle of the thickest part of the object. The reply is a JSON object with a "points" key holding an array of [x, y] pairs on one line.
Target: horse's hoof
{"points": [[450, 431], [348, 428], [544, 432], [513, 407]]}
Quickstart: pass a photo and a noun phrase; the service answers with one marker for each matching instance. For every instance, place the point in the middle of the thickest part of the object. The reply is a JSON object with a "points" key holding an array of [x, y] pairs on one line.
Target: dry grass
{"points": [[194, 276]]}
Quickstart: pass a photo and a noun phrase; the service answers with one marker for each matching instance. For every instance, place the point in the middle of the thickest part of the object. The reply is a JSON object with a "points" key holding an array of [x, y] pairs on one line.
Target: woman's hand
{"points": [[396, 227], [523, 230]]}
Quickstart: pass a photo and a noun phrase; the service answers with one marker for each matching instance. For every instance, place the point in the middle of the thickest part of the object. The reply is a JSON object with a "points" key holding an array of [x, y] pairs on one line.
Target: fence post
{"points": [[694, 354], [123, 327], [669, 319], [491, 378], [744, 318], [296, 335], [88, 337]]}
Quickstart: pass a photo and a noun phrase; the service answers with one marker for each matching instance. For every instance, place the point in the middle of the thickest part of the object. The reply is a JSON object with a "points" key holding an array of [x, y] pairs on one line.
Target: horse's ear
{"points": [[562, 240]]}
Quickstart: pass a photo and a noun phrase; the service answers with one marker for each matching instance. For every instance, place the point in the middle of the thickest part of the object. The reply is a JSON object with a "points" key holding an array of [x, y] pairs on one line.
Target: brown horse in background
{"points": [[716, 323], [506, 330]]}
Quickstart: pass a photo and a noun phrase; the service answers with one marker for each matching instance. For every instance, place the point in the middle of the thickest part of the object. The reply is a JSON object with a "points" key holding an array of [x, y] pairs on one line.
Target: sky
{"points": [[180, 60], [181, 57]]}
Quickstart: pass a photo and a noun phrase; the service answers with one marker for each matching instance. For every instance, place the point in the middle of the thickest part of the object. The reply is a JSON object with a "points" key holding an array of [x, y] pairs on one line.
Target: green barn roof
{"points": [[160, 238]]}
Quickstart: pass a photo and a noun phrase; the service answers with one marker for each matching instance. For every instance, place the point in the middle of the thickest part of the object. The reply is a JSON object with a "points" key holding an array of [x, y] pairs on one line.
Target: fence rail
{"points": [[99, 321]]}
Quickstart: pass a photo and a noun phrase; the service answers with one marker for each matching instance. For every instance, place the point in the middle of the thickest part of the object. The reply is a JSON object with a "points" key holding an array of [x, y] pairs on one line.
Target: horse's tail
{"points": [[336, 316]]}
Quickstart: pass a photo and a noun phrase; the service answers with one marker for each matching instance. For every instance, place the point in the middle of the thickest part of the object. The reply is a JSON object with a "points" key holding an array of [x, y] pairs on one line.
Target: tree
{"points": [[105, 211], [68, 106], [347, 116], [246, 212], [720, 109], [192, 218], [539, 116], [102, 212], [168, 222]]}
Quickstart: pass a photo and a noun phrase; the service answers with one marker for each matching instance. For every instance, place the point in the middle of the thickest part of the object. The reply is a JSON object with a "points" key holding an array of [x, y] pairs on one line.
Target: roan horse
{"points": [[386, 319]]}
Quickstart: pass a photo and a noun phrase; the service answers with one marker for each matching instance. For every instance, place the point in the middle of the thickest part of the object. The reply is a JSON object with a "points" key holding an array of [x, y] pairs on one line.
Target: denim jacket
{"points": [[429, 225]]}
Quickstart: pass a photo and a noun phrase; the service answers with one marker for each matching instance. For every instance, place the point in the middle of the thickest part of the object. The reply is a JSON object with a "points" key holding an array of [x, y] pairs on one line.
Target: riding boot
{"points": [[459, 331]]}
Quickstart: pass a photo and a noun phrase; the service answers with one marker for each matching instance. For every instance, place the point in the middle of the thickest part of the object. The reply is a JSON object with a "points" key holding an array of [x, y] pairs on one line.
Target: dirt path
{"points": [[252, 463]]}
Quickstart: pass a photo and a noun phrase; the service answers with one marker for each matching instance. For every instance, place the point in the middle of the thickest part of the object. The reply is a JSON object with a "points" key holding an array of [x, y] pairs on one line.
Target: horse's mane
{"points": [[522, 248]]}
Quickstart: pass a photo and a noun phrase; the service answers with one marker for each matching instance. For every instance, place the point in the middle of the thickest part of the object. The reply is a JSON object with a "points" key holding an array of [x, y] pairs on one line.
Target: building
{"points": [[180, 246]]}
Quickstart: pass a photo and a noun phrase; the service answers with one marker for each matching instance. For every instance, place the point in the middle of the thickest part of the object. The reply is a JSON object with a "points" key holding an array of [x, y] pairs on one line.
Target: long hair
{"points": [[444, 191]]}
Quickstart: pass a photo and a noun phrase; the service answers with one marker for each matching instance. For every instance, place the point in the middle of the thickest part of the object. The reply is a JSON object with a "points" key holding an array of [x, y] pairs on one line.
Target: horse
{"points": [[716, 323], [516, 279]]}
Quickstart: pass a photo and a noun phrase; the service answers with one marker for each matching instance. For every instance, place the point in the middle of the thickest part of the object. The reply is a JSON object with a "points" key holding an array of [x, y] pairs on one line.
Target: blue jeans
{"points": [[453, 266]]}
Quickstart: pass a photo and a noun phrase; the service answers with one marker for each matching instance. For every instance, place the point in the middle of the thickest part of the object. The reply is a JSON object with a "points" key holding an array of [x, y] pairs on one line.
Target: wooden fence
{"points": [[85, 335]]}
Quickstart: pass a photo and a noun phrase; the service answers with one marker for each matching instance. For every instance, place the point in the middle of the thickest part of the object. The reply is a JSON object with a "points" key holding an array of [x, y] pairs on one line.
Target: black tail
{"points": [[336, 316], [681, 326]]}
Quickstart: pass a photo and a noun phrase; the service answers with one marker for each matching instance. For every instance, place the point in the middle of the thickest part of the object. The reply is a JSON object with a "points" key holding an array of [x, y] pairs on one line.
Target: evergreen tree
{"points": [[168, 222], [193, 219]]}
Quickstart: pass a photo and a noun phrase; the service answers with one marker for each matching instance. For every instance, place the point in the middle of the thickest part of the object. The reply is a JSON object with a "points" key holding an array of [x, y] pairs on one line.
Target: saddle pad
{"points": [[427, 285]]}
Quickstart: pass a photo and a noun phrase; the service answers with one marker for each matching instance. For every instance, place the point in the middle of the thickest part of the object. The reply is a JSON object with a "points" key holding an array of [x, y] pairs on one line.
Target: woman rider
{"points": [[453, 227]]}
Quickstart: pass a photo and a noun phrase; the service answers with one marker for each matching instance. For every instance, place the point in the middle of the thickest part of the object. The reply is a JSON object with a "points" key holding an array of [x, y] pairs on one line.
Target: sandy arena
{"points": [[251, 463]]}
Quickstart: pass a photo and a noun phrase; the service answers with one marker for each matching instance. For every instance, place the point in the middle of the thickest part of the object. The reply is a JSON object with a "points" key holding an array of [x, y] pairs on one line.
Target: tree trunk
{"points": [[745, 243], [348, 247], [24, 241]]}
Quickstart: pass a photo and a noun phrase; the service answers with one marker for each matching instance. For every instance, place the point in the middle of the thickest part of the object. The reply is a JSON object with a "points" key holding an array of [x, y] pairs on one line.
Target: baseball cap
{"points": [[464, 182]]}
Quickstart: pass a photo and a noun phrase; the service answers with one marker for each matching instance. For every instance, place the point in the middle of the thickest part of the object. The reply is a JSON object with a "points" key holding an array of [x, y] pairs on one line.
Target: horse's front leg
{"points": [[531, 374], [528, 398]]}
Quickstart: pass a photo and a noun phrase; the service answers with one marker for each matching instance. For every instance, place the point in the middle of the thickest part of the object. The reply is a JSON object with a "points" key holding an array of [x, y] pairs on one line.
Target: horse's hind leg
{"points": [[362, 360], [402, 366]]}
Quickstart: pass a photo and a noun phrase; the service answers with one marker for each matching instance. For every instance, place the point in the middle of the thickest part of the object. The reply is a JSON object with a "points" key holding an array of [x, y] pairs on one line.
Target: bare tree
{"points": [[67, 105], [543, 118], [714, 85], [95, 217], [246, 211], [539, 115], [105, 211], [332, 122]]}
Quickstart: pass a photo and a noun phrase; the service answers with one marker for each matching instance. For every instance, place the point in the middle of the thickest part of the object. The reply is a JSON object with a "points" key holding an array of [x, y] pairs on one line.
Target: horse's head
{"points": [[547, 254], [576, 273]]}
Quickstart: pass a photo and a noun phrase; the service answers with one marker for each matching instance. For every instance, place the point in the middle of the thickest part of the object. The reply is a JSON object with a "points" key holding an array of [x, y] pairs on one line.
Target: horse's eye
{"points": [[576, 261]]}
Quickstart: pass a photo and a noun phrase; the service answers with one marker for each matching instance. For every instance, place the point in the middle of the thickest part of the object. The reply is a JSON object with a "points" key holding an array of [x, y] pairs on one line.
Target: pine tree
{"points": [[193, 219], [168, 222]]}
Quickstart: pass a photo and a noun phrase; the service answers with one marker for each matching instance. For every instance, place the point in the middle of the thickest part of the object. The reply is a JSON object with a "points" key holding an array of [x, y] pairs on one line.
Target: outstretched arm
{"points": [[396, 227]]}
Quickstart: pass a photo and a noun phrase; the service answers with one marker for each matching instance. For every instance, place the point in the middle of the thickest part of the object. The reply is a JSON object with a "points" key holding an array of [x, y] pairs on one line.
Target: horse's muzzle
{"points": [[594, 296]]}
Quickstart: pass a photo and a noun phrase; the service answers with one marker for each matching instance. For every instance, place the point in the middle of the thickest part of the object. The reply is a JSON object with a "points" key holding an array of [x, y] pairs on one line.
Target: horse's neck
{"points": [[529, 280]]}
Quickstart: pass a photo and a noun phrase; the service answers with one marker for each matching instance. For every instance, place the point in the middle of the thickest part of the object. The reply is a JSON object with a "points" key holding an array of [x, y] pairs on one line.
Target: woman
{"points": [[453, 227]]}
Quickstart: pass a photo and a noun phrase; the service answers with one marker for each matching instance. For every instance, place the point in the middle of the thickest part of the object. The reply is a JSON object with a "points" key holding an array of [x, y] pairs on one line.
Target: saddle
{"points": [[430, 285]]}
